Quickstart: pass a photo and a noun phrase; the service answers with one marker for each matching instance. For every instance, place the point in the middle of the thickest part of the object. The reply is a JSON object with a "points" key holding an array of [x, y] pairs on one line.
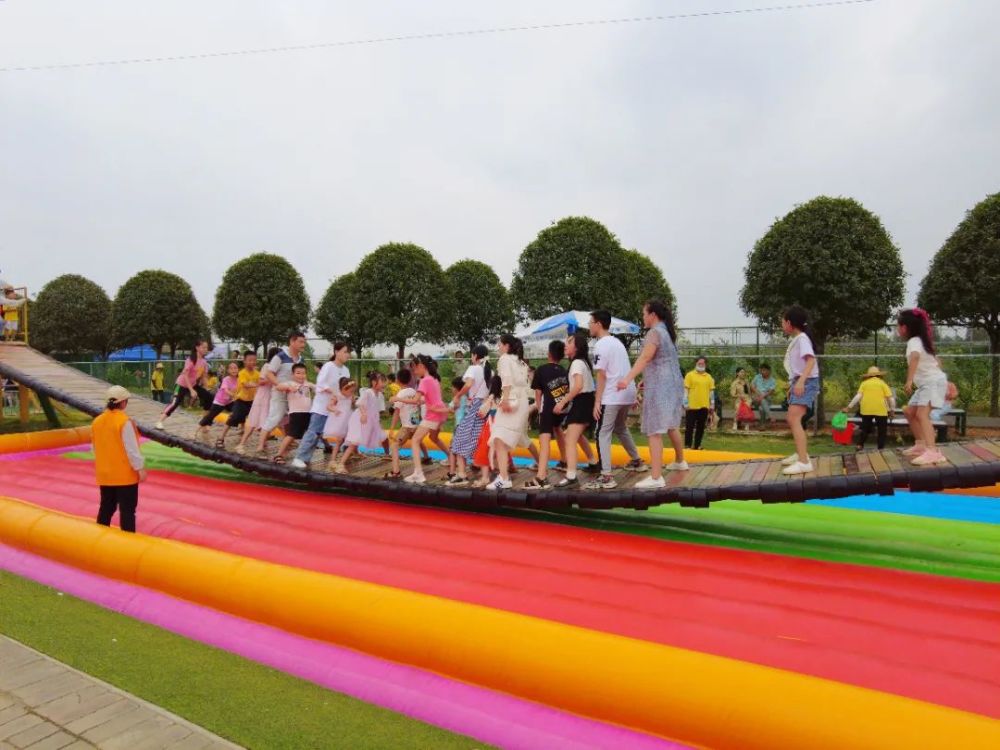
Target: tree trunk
{"points": [[994, 333], [820, 347], [173, 351], [401, 351]]}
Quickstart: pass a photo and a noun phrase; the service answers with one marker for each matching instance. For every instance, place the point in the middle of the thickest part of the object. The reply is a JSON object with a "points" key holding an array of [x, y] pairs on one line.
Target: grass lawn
{"points": [[10, 424], [250, 704]]}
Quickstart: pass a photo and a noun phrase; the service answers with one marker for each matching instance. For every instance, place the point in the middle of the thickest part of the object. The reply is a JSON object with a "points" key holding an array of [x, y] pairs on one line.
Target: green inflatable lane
{"points": [[928, 545]]}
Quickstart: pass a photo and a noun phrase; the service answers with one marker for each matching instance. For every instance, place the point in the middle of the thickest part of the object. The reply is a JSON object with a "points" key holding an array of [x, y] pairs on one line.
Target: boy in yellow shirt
{"points": [[876, 400], [10, 304], [156, 383]]}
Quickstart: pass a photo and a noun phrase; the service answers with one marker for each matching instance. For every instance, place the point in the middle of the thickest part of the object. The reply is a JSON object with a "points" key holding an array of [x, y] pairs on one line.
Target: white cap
{"points": [[117, 394]]}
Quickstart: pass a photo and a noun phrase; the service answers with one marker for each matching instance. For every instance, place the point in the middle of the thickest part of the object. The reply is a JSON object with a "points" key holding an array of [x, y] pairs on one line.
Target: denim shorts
{"points": [[930, 393], [808, 397]]}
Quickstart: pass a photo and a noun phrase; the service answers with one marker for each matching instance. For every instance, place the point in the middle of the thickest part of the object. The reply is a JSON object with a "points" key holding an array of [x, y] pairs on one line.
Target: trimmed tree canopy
{"points": [[642, 281], [158, 308], [341, 314], [833, 257], [481, 306], [406, 295], [261, 299], [72, 315], [962, 286]]}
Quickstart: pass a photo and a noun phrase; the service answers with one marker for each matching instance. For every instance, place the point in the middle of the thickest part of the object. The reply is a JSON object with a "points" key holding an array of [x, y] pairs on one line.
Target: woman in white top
{"points": [[510, 425], [925, 381], [578, 406]]}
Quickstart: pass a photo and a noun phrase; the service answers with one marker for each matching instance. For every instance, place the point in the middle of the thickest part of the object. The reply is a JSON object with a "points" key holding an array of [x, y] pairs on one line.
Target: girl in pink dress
{"points": [[261, 404], [339, 418], [364, 429]]}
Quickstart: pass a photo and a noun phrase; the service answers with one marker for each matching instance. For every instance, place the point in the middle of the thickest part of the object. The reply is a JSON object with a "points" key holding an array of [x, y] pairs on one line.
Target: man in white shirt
{"points": [[611, 406], [327, 391], [279, 370]]}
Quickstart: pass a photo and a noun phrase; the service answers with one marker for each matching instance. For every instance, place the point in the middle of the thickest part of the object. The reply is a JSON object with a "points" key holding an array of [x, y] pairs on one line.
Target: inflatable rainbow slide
{"points": [[577, 631]]}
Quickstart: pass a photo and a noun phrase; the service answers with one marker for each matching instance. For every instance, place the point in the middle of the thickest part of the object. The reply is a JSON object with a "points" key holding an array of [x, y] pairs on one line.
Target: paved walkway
{"points": [[46, 705]]}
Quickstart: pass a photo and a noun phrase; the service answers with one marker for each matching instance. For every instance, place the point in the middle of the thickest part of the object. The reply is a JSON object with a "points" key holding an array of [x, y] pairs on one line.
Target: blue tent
{"points": [[133, 354]]}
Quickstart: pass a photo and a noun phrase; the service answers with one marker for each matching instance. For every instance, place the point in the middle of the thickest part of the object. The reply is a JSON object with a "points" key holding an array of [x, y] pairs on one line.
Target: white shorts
{"points": [[931, 393], [10, 325]]}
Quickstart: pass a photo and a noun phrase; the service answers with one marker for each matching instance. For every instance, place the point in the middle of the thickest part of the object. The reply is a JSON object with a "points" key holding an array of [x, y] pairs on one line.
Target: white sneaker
{"points": [[914, 450], [677, 466], [415, 479], [789, 460], [499, 484], [798, 468], [298, 463], [159, 425], [651, 484]]}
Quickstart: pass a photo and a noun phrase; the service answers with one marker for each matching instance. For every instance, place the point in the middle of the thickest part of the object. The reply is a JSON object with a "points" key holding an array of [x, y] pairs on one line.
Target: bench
{"points": [[897, 423]]}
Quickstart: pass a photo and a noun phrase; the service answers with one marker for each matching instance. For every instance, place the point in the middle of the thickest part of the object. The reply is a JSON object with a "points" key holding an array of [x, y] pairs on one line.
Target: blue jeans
{"points": [[313, 434]]}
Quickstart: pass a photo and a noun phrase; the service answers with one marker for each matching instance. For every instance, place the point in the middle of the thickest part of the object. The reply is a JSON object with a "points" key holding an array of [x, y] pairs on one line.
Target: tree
{"points": [[342, 314], [481, 306], [261, 299], [641, 281], [72, 315], [832, 256], [158, 308], [575, 264], [962, 286], [405, 294]]}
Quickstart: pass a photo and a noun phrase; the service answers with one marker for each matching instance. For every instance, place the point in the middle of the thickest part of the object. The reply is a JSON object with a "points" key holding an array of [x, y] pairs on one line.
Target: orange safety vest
{"points": [[110, 458]]}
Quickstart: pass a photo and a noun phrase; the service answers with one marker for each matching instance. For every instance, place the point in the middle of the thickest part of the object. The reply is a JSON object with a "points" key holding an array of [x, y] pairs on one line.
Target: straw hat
{"points": [[159, 366], [117, 394], [873, 372]]}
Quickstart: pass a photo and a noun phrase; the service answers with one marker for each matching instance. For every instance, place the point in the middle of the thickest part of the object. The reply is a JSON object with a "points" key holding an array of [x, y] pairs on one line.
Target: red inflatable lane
{"points": [[922, 636]]}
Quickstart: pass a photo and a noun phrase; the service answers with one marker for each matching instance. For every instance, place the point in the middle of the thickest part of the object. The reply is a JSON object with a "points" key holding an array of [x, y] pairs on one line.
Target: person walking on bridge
{"points": [[118, 461]]}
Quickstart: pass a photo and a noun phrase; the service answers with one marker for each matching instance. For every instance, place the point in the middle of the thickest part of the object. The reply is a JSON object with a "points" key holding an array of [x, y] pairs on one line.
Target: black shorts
{"points": [[239, 414], [298, 423], [211, 414], [582, 410], [548, 422]]}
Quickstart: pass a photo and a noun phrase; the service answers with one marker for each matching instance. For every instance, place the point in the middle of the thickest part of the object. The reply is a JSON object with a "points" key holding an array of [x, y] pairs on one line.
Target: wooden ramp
{"points": [[970, 464]]}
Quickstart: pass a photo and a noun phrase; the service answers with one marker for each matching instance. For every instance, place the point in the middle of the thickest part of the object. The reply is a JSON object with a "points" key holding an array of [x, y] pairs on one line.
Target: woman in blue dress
{"points": [[663, 389]]}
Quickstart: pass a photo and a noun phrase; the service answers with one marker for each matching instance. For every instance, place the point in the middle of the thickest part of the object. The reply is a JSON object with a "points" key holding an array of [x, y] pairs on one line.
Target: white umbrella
{"points": [[566, 323]]}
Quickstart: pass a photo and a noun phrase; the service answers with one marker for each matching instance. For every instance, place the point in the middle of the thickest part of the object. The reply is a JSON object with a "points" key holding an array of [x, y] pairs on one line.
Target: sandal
{"points": [[279, 459], [220, 443], [392, 475], [536, 483]]}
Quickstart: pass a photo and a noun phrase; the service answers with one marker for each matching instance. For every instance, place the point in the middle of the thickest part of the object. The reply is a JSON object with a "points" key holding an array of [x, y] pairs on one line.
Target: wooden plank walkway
{"points": [[46, 705], [970, 464]]}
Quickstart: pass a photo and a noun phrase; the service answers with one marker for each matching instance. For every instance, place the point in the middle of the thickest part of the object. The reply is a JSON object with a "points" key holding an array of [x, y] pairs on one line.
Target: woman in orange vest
{"points": [[118, 460]]}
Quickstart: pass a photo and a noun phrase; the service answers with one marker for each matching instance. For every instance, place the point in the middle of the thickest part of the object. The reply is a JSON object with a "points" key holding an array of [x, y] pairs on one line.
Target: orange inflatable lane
{"points": [[44, 440], [690, 697]]}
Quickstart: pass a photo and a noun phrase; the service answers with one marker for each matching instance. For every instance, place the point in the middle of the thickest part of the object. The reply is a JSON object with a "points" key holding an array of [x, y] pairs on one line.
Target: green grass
{"points": [[250, 704], [10, 424]]}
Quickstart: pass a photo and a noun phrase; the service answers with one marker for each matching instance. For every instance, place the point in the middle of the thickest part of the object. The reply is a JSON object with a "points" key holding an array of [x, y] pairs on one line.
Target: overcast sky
{"points": [[686, 138]]}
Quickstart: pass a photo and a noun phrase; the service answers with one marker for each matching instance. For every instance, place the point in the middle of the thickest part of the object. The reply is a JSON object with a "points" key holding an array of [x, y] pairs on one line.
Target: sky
{"points": [[687, 138]]}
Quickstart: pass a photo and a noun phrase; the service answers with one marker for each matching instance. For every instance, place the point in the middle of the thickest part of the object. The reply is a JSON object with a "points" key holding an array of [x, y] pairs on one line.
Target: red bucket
{"points": [[844, 436]]}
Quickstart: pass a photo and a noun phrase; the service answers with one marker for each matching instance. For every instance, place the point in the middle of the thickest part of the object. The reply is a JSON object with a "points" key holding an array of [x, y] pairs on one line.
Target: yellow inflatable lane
{"points": [[44, 440], [696, 698]]}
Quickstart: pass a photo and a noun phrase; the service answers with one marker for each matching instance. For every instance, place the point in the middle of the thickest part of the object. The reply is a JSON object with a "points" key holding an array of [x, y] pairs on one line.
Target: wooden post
{"points": [[50, 412], [23, 396]]}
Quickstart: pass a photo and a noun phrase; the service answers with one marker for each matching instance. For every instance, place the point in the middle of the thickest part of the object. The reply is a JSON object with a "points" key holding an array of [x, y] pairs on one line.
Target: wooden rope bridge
{"points": [[970, 464]]}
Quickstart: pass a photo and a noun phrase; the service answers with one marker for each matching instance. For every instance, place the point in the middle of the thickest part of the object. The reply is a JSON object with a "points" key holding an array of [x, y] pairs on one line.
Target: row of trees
{"points": [[398, 293], [831, 255]]}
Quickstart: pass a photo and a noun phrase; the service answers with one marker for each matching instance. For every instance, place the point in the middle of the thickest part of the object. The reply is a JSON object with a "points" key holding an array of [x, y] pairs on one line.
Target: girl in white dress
{"points": [[510, 426]]}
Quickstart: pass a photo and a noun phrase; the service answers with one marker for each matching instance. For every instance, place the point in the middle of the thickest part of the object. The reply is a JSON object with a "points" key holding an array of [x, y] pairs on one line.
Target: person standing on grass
{"points": [[876, 402], [118, 461], [223, 398], [663, 405], [927, 383], [476, 386], [611, 407], [803, 385], [551, 385], [578, 408], [156, 383], [190, 382], [699, 395], [279, 371], [246, 390], [762, 387], [327, 393]]}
